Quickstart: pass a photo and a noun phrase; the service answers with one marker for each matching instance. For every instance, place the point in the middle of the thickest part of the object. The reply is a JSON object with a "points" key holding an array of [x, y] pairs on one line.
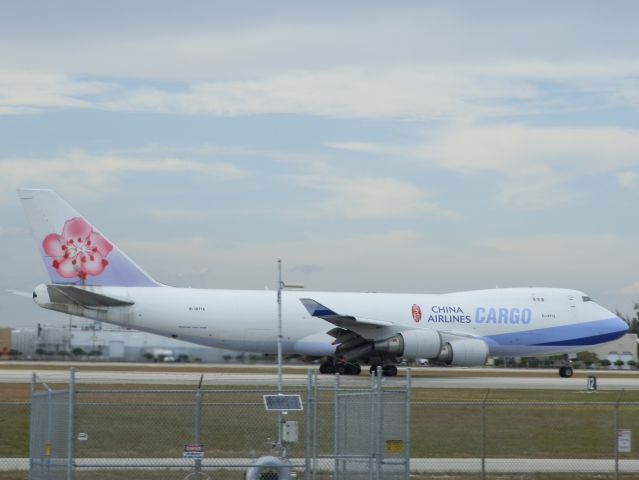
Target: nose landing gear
{"points": [[565, 371]]}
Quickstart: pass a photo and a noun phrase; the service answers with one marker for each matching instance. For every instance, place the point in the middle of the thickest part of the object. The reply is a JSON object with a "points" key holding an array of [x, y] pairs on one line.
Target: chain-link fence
{"points": [[135, 433], [51, 441], [496, 439], [219, 433]]}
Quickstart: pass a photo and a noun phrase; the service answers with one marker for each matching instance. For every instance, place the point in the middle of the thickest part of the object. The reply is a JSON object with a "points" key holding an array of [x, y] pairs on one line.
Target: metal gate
{"points": [[51, 436], [356, 429], [372, 435]]}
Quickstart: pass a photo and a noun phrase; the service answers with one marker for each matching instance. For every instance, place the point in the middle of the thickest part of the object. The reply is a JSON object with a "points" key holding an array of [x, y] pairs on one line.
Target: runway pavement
{"points": [[230, 376], [420, 465]]}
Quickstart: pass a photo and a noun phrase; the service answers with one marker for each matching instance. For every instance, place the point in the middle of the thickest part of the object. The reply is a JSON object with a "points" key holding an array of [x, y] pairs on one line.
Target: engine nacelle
{"points": [[41, 295], [467, 352], [412, 344]]}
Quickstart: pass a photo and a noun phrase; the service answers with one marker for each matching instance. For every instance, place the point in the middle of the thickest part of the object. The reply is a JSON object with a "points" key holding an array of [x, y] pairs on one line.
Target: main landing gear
{"points": [[331, 367], [387, 370]]}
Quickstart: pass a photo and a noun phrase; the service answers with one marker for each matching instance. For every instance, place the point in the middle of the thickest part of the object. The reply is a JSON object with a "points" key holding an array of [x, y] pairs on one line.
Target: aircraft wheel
{"points": [[327, 368], [389, 371], [565, 372], [341, 368], [354, 369]]}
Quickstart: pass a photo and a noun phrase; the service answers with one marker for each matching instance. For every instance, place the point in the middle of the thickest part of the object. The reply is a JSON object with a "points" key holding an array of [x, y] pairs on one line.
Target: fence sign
{"points": [[194, 451], [394, 446], [624, 441]]}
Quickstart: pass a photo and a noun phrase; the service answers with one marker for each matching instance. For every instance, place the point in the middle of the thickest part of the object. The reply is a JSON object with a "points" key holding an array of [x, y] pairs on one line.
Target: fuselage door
{"points": [[572, 307]]}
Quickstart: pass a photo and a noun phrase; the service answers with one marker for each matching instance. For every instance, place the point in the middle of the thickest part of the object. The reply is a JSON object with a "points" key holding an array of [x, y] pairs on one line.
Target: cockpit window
{"points": [[586, 299]]}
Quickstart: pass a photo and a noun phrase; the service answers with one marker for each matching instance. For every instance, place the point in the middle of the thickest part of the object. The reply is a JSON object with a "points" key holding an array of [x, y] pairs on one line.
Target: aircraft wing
{"points": [[351, 344], [69, 294], [456, 334], [318, 310]]}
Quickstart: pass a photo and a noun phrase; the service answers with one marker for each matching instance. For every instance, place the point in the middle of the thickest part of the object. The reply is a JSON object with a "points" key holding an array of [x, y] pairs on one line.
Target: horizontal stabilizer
{"points": [[65, 294], [20, 293], [318, 310]]}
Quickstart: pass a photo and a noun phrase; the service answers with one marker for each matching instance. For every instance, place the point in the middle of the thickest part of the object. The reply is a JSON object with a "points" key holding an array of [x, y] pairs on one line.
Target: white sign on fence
{"points": [[193, 451], [624, 441]]}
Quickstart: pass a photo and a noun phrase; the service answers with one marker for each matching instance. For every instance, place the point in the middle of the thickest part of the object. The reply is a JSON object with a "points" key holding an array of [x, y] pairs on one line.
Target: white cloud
{"points": [[516, 150], [171, 214], [628, 179], [27, 92], [440, 91], [79, 173], [632, 289], [532, 164], [369, 198], [400, 93]]}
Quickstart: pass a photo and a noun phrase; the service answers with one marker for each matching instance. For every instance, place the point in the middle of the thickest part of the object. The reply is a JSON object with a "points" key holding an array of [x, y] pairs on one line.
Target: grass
{"points": [[237, 475], [518, 423], [541, 424]]}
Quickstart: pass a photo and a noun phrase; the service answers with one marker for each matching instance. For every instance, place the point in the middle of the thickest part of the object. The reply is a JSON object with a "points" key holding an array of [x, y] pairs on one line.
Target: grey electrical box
{"points": [[290, 431]]}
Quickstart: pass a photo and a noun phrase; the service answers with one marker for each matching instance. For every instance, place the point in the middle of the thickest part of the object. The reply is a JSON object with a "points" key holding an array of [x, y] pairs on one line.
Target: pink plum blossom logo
{"points": [[416, 311], [79, 251]]}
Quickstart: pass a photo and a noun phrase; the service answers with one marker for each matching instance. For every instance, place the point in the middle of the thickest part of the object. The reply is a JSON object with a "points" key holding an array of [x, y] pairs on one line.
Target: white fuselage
{"points": [[513, 321]]}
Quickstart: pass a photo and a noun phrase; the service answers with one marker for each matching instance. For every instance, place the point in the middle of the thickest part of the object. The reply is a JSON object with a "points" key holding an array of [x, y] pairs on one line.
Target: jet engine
{"points": [[412, 344], [466, 352]]}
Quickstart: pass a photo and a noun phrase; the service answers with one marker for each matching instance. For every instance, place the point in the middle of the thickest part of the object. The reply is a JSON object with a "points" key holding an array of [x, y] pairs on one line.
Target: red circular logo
{"points": [[417, 313]]}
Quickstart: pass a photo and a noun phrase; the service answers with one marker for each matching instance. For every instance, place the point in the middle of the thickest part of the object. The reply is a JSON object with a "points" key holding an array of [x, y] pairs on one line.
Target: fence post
{"points": [[616, 433], [48, 448], [31, 426], [316, 397], [71, 425], [197, 438], [379, 450], [409, 383], [483, 435], [339, 464], [307, 430]]}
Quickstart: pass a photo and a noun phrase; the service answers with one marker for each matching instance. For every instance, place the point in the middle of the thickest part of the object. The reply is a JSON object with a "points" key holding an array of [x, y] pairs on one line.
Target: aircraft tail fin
{"points": [[74, 251]]}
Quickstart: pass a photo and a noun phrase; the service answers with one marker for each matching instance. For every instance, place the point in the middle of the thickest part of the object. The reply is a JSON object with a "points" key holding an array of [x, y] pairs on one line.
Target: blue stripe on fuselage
{"points": [[580, 334]]}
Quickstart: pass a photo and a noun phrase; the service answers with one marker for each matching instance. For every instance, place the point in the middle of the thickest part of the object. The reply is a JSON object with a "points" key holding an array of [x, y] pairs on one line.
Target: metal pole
{"points": [[71, 425], [198, 431], [483, 436], [48, 446], [338, 439], [32, 433], [308, 432], [379, 440], [616, 438], [279, 325], [279, 349], [373, 418], [616, 441], [316, 396], [409, 387]]}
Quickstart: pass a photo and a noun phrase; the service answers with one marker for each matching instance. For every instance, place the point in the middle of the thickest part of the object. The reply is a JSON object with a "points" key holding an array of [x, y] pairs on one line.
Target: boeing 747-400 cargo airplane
{"points": [[90, 277]]}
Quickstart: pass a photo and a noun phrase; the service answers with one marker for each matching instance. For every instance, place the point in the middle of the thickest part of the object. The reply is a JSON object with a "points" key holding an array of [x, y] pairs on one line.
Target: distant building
{"points": [[5, 342], [108, 343], [624, 349]]}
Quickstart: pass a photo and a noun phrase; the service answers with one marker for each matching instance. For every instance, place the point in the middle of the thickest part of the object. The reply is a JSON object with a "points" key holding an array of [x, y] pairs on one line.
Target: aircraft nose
{"points": [[622, 325]]}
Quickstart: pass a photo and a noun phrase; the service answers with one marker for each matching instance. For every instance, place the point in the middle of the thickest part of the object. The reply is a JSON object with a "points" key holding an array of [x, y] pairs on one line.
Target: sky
{"points": [[412, 146]]}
